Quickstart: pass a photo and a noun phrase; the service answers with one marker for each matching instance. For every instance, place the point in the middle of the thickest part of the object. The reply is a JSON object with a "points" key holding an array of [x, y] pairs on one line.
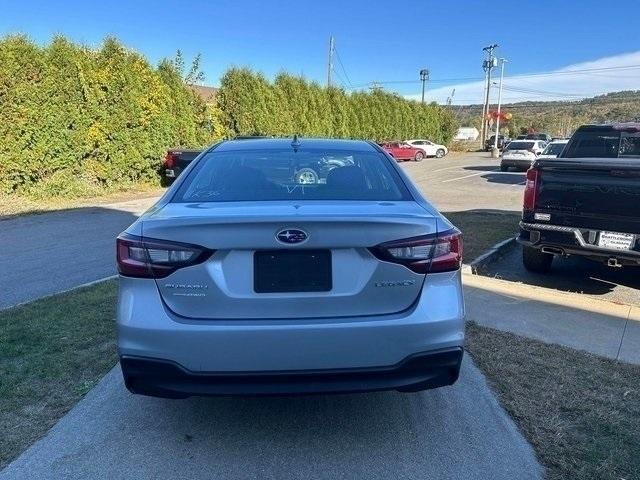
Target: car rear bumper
{"points": [[161, 378], [148, 330], [574, 241], [516, 162]]}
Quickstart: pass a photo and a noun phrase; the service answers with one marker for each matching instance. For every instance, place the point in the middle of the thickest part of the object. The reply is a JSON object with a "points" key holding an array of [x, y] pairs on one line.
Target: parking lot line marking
{"points": [[471, 175]]}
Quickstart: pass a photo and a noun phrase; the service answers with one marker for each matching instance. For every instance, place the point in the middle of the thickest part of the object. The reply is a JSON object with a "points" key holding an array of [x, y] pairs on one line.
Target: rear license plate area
{"points": [[615, 241], [280, 271]]}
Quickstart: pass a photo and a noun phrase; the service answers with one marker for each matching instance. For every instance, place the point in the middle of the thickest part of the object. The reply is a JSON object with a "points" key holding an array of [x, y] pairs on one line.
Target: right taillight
{"points": [[530, 189], [151, 258], [426, 254], [170, 160]]}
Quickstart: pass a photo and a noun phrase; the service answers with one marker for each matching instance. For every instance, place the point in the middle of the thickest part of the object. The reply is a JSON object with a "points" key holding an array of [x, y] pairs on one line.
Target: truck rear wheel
{"points": [[536, 261]]}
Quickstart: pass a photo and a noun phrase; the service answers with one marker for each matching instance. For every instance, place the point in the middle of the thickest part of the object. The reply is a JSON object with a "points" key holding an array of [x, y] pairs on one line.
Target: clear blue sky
{"points": [[376, 40]]}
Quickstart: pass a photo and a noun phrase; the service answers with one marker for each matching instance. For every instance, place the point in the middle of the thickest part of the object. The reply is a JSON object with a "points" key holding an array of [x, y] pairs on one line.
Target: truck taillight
{"points": [[426, 254], [530, 190], [151, 258], [170, 160]]}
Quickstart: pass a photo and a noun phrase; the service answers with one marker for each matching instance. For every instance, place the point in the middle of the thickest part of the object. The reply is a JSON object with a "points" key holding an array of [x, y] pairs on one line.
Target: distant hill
{"points": [[559, 118]]}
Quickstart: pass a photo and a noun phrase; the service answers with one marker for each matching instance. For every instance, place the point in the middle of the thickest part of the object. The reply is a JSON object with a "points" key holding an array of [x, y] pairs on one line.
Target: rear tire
{"points": [[418, 156], [535, 260], [439, 153]]}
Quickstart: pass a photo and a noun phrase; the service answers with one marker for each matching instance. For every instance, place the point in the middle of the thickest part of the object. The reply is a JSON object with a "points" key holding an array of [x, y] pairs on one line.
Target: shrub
{"points": [[76, 120], [250, 105]]}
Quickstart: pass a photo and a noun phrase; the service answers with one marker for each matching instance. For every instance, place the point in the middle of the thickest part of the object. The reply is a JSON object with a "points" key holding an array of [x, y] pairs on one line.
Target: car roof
{"points": [[564, 140], [302, 143], [632, 126]]}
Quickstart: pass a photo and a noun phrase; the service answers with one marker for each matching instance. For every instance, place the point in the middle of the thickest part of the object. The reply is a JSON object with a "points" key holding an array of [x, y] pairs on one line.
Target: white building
{"points": [[467, 133]]}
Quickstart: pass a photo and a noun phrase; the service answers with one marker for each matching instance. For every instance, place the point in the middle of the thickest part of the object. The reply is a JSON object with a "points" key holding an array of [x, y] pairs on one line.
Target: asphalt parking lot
{"points": [[467, 181]]}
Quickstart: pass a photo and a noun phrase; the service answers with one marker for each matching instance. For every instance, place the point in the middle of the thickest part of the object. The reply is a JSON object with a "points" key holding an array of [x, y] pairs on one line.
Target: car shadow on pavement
{"points": [[573, 274], [482, 168], [511, 177], [508, 178]]}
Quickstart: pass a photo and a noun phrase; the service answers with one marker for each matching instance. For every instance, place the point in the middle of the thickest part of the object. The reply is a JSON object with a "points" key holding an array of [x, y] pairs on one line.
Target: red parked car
{"points": [[403, 151]]}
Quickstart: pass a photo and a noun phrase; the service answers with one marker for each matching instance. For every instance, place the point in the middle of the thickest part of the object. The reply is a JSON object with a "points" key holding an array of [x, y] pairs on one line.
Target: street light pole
{"points": [[495, 143], [424, 76]]}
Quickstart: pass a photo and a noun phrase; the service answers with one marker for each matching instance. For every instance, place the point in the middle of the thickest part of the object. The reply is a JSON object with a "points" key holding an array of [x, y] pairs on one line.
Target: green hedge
{"points": [[77, 121], [73, 119], [251, 105]]}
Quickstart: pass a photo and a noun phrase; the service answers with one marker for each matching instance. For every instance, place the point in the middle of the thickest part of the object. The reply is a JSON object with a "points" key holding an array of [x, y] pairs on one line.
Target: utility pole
{"points": [[488, 64], [424, 76], [450, 98], [495, 143], [332, 47]]}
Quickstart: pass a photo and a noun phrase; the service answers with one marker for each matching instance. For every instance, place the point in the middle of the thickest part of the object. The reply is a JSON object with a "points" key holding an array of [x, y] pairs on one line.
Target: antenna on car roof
{"points": [[295, 143]]}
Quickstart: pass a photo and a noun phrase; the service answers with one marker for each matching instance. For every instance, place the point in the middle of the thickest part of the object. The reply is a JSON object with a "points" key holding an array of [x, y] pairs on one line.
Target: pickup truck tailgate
{"points": [[594, 193]]}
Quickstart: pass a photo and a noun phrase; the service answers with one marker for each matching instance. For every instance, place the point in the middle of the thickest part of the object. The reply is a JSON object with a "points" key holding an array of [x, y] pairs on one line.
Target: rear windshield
{"points": [[520, 146], [554, 149], [603, 144], [256, 175]]}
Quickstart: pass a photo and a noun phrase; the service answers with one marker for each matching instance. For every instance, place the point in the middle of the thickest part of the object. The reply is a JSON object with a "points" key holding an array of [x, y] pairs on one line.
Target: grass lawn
{"points": [[580, 412], [52, 352], [14, 205], [481, 229]]}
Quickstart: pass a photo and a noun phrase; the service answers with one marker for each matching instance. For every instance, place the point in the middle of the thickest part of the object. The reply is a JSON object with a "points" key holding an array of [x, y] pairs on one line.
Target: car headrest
{"points": [[351, 177]]}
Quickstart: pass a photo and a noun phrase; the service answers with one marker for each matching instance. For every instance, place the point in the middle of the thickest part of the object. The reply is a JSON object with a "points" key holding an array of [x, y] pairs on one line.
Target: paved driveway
{"points": [[456, 432], [52, 252]]}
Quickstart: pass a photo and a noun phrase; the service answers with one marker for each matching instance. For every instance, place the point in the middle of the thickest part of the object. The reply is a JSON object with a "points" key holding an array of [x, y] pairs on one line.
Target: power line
{"points": [[545, 105], [586, 71], [543, 92], [342, 67], [340, 79]]}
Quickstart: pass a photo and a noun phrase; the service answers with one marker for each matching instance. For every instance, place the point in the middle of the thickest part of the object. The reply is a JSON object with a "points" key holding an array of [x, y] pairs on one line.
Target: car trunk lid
{"points": [[230, 284]]}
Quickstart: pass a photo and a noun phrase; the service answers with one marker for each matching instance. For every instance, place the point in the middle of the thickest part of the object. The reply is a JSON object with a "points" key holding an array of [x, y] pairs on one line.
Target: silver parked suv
{"points": [[241, 280]]}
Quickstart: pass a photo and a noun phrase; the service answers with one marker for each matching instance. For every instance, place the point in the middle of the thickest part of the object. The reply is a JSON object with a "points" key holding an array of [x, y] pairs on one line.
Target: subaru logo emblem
{"points": [[291, 236]]}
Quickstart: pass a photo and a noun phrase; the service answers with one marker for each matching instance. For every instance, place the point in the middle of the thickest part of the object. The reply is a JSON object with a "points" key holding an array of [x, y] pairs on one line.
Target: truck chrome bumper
{"points": [[580, 245]]}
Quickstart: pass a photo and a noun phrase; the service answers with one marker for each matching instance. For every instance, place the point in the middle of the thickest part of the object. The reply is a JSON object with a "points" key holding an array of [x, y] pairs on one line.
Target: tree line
{"points": [[76, 120], [252, 105], [558, 118]]}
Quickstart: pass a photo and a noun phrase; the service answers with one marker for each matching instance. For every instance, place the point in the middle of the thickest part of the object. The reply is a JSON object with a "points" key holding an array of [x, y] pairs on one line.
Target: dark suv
{"points": [[502, 140]]}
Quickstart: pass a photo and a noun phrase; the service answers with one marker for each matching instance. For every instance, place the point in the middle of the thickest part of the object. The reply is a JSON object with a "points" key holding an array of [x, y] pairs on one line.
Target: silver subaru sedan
{"points": [[290, 266]]}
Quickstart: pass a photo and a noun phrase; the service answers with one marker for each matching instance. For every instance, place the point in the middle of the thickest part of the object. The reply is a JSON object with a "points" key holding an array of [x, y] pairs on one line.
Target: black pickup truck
{"points": [[586, 202], [175, 161]]}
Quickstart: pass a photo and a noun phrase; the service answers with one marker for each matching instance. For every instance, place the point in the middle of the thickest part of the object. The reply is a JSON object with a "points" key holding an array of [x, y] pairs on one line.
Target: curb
{"points": [[490, 255], [82, 285]]}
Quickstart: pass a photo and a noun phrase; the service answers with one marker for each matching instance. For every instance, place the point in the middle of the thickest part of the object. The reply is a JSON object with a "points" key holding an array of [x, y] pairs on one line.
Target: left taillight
{"points": [[152, 258], [426, 254]]}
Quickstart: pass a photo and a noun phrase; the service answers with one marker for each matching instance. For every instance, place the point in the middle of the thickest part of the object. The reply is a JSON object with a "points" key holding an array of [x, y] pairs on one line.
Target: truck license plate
{"points": [[617, 241]]}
